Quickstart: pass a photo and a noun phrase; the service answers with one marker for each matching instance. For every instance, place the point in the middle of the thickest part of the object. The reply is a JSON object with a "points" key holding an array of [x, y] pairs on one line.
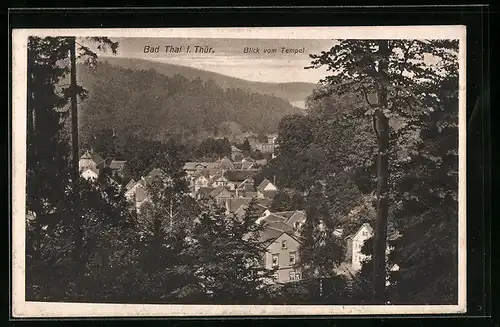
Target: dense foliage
{"points": [[149, 104], [176, 249]]}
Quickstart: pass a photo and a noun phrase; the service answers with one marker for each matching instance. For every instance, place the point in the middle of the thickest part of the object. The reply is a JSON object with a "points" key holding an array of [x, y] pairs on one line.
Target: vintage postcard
{"points": [[238, 171]]}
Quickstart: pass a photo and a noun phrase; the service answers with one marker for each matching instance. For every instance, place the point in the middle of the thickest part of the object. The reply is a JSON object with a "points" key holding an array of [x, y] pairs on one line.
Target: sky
{"points": [[229, 57]]}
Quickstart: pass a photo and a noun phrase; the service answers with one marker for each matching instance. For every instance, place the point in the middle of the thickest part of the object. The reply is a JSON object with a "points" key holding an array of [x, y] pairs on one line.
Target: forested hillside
{"points": [[292, 91], [151, 105]]}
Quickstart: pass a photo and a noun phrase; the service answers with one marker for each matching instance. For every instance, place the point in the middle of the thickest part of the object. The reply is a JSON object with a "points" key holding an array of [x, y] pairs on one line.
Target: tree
{"points": [[295, 133], [328, 202], [428, 211], [104, 143], [398, 72], [48, 151], [227, 253], [214, 149], [47, 147], [245, 146], [165, 225], [143, 155], [287, 199], [107, 255]]}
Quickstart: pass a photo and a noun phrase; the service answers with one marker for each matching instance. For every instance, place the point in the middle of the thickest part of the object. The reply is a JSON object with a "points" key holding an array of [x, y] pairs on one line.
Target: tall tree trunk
{"points": [[380, 232], [74, 161], [74, 114]]}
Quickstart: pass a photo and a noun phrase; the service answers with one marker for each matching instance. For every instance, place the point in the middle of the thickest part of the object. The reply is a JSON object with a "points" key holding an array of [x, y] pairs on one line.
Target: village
{"points": [[229, 181]]}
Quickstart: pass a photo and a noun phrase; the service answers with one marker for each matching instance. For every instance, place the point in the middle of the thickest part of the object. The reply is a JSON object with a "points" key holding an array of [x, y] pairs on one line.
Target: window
{"points": [[276, 276], [292, 258], [283, 245], [364, 233], [294, 276], [276, 260]]}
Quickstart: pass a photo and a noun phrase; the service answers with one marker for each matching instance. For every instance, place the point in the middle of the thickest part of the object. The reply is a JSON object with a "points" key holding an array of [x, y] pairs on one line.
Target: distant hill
{"points": [[142, 101], [295, 92]]}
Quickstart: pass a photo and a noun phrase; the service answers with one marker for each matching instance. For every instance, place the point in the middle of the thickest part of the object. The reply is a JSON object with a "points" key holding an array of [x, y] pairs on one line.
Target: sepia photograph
{"points": [[252, 171]]}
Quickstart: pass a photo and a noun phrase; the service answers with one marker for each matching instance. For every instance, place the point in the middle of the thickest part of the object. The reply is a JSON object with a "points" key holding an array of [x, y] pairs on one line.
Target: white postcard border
{"points": [[22, 308]]}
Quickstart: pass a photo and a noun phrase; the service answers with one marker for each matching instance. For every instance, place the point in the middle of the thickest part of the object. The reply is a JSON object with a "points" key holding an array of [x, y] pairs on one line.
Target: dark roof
{"points": [[215, 177], [300, 213], [108, 161], [217, 190], [117, 164], [248, 194], [238, 175], [273, 218], [263, 184], [285, 214], [246, 182], [259, 208], [261, 162], [92, 155], [268, 235], [264, 202], [203, 192], [234, 204], [246, 164]]}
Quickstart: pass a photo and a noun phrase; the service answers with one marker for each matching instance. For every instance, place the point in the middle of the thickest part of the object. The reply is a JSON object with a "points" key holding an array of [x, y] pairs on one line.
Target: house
{"points": [[218, 180], [141, 197], [355, 244], [281, 254], [202, 193], [192, 167], [130, 184], [235, 178], [247, 187], [91, 160], [225, 164], [117, 168], [267, 189], [247, 165], [220, 192], [137, 193], [90, 174], [260, 209], [272, 138], [231, 178], [200, 181], [233, 204], [261, 162], [297, 219], [266, 147]]}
